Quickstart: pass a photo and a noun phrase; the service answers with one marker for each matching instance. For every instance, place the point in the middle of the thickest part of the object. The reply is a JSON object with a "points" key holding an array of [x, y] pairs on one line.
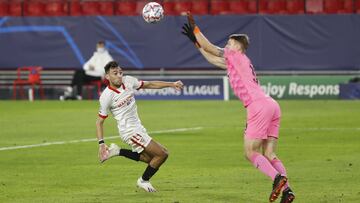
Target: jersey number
{"points": [[254, 74]]}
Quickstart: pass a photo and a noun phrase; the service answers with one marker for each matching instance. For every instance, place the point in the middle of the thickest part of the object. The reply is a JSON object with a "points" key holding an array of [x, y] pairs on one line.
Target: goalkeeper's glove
{"points": [[191, 21], [187, 30]]}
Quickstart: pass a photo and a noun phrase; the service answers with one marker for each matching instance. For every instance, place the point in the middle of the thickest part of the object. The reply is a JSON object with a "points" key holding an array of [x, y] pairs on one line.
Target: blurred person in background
{"points": [[93, 70]]}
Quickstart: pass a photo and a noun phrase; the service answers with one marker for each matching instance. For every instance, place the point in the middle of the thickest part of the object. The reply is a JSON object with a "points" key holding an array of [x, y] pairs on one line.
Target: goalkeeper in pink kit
{"points": [[263, 112]]}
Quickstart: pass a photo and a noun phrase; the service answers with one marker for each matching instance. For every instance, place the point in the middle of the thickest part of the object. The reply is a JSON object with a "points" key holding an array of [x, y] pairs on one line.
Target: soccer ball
{"points": [[152, 12]]}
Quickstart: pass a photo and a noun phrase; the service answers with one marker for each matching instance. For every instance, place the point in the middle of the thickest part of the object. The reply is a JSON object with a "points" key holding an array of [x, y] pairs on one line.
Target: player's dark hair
{"points": [[101, 42], [242, 39], [110, 65]]}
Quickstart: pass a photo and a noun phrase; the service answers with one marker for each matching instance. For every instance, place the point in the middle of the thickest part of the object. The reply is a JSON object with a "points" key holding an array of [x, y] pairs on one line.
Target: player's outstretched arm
{"points": [[202, 40], [206, 44], [103, 149], [215, 60], [178, 85]]}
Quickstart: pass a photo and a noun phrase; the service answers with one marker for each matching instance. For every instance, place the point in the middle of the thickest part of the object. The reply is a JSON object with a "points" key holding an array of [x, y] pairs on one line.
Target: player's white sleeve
{"points": [[134, 82], [105, 102]]}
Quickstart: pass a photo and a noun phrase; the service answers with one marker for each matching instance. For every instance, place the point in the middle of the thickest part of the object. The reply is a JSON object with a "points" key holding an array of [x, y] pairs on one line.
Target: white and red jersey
{"points": [[121, 103]]}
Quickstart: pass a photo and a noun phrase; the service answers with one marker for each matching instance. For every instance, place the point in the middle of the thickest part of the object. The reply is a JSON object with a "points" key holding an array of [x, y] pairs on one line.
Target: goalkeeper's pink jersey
{"points": [[242, 77]]}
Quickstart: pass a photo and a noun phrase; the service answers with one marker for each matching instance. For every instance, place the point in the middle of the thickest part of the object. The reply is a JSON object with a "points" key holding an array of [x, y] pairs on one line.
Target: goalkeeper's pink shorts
{"points": [[263, 119]]}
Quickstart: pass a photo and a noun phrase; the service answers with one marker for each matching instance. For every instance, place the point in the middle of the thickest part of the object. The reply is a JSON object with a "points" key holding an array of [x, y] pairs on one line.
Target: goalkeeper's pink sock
{"points": [[263, 164], [277, 164]]}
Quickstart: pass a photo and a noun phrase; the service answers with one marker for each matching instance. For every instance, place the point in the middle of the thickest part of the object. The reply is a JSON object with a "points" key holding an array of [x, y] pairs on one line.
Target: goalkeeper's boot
{"points": [[145, 185], [278, 184], [288, 196], [113, 150]]}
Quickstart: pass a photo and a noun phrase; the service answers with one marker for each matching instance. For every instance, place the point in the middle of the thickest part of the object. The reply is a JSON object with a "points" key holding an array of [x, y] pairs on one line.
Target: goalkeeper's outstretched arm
{"points": [[206, 44], [212, 53], [201, 40], [215, 60]]}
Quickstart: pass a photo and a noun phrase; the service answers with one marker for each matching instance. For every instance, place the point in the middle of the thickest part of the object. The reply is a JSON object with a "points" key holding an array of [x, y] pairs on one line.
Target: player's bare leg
{"points": [[146, 158], [154, 155], [251, 147], [269, 150], [115, 150], [158, 155], [252, 152]]}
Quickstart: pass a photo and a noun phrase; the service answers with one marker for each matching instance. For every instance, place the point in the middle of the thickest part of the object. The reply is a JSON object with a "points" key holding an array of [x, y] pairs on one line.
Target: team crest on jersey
{"points": [[127, 101]]}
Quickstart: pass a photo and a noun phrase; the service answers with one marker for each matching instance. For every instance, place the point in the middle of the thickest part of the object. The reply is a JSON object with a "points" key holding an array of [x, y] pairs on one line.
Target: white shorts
{"points": [[137, 138]]}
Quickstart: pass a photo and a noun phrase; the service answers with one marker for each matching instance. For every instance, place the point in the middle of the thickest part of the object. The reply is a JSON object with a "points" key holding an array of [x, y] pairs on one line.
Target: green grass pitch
{"points": [[319, 144]]}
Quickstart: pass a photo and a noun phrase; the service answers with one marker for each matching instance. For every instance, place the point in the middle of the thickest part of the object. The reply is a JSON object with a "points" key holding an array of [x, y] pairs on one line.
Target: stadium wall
{"points": [[278, 42]]}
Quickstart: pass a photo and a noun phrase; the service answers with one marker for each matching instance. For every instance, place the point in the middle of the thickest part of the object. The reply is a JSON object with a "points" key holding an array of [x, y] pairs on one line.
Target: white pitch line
{"points": [[94, 139]]}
